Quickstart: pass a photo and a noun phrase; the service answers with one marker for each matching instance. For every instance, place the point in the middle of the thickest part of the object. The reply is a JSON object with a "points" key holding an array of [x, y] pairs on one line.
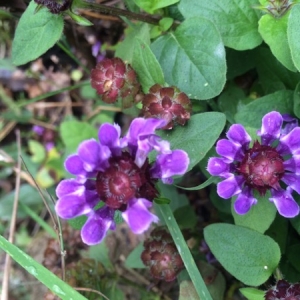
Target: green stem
{"points": [[25, 102], [184, 251], [68, 52], [114, 11]]}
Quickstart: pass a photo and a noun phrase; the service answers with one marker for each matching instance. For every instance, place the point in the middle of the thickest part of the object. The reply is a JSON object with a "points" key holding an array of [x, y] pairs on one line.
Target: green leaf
{"points": [[28, 196], [274, 32], [235, 20], [55, 284], [260, 216], [192, 61], [146, 66], [125, 49], [74, 132], [294, 34], [251, 114], [186, 217], [151, 6], [187, 291], [35, 34], [100, 253], [198, 136], [293, 256], [184, 252], [248, 255], [253, 294], [273, 76], [133, 260], [38, 151], [297, 101]]}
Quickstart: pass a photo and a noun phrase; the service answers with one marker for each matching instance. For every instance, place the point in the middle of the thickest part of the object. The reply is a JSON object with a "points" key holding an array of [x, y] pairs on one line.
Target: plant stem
{"points": [[184, 251], [114, 11]]}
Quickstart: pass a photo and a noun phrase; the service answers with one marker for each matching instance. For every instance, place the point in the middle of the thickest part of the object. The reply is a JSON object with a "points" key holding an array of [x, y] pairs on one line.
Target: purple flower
{"points": [[260, 167], [116, 172]]}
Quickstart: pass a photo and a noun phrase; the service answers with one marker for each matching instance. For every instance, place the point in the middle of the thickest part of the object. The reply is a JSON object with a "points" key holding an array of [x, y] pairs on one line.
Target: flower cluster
{"points": [[114, 79], [260, 167], [161, 255], [117, 171], [167, 103], [54, 6], [283, 291]]}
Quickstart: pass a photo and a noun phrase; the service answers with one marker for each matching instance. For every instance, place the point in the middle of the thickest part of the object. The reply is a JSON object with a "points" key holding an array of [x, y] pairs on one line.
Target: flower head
{"points": [[260, 167], [55, 6], [161, 255], [283, 290], [113, 79], [117, 172], [167, 103]]}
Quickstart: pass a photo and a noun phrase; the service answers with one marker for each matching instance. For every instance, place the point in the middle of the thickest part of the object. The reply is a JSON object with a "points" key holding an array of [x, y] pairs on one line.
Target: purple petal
{"points": [[137, 215], [96, 227], [230, 186], [293, 164], [285, 203], [148, 143], [244, 201], [74, 165], [229, 150], [217, 167], [290, 125], [89, 152], [141, 126], [109, 135], [168, 165], [69, 186], [238, 134], [271, 127], [39, 130], [71, 206], [292, 180], [290, 143]]}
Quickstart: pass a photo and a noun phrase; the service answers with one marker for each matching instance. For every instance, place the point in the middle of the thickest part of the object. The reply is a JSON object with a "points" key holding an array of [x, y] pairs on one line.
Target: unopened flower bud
{"points": [[161, 255], [55, 6], [283, 290], [167, 103], [114, 79]]}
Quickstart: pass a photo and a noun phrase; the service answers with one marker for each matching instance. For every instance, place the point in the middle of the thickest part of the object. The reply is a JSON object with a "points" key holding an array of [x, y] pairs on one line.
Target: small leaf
{"points": [[79, 19], [260, 216], [146, 66], [187, 291], [192, 61], [294, 34], [38, 151], [235, 20], [274, 31], [35, 34], [248, 255], [161, 200], [125, 49], [253, 294], [74, 132], [198, 136], [251, 114], [133, 260], [151, 6], [297, 101]]}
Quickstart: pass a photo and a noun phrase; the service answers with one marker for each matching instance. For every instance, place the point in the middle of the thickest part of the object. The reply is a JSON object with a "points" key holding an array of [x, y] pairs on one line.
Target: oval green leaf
{"points": [[146, 66], [274, 32], [251, 114], [35, 34], [198, 136], [193, 58], [260, 216], [248, 255], [235, 20], [293, 34]]}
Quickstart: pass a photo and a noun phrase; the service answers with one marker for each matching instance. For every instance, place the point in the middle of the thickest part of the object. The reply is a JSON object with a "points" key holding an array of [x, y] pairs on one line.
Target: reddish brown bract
{"points": [[167, 103]]}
